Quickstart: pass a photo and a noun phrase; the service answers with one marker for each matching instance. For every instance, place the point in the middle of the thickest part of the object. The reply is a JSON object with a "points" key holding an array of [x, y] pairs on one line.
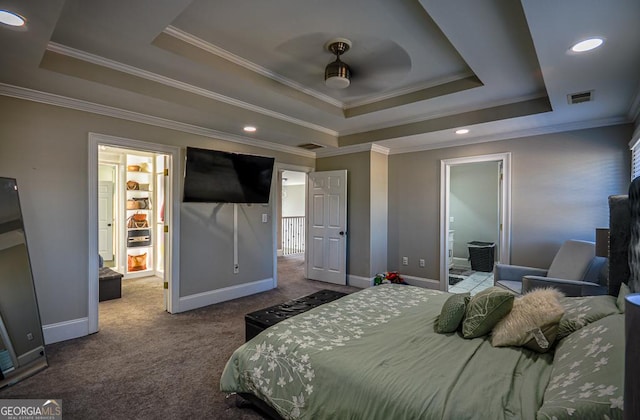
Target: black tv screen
{"points": [[212, 176]]}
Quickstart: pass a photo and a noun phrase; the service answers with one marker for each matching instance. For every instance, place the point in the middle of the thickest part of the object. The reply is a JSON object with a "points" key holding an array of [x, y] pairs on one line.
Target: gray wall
{"points": [[560, 186], [293, 204], [474, 204], [379, 212], [207, 244], [367, 190], [45, 148], [358, 166]]}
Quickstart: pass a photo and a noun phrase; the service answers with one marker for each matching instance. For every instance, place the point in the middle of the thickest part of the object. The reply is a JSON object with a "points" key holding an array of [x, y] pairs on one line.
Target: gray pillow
{"points": [[485, 310], [452, 313]]}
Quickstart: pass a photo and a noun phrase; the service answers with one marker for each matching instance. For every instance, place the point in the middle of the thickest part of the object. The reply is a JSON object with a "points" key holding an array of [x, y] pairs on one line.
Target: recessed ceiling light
{"points": [[249, 129], [462, 131], [587, 45], [11, 19]]}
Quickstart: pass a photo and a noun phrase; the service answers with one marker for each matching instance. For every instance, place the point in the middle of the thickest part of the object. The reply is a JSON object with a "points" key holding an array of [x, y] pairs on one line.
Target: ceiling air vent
{"points": [[310, 146], [580, 97]]}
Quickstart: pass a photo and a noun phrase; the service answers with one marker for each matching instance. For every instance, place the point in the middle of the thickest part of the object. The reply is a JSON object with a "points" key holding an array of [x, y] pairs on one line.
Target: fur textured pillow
{"points": [[532, 322]]}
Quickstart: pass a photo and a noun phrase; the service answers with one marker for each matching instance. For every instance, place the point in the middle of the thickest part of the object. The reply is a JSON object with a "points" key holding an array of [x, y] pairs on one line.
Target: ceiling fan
{"points": [[337, 74]]}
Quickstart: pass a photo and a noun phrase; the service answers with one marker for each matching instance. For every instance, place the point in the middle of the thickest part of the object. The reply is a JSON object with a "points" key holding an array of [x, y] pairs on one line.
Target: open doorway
{"points": [[291, 223], [133, 216], [475, 220], [131, 194], [292, 217]]}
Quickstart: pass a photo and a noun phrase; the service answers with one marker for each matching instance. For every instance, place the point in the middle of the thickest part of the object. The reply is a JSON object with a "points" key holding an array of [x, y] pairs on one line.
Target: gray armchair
{"points": [[575, 271]]}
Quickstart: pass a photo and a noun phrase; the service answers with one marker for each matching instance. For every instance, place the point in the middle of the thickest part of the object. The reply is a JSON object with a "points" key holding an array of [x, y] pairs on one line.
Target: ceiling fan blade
{"points": [[387, 59]]}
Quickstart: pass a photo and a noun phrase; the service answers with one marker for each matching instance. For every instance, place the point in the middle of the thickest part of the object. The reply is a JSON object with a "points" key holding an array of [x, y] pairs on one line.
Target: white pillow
{"points": [[532, 322]]}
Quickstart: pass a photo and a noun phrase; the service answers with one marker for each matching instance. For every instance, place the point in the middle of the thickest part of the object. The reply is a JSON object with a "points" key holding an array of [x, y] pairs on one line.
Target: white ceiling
{"points": [[421, 69]]}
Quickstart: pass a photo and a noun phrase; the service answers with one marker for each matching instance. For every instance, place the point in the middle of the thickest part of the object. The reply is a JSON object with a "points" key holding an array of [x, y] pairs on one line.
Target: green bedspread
{"points": [[374, 355]]}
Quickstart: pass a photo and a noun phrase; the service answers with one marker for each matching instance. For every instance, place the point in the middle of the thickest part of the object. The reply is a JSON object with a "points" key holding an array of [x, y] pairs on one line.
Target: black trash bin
{"points": [[482, 255]]}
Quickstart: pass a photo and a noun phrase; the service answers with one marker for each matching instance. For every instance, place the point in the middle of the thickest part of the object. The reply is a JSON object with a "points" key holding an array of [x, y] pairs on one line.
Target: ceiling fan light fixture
{"points": [[337, 74]]}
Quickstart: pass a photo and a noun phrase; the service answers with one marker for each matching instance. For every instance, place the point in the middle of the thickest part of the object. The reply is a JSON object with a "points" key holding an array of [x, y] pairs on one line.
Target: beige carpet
{"points": [[148, 364]]}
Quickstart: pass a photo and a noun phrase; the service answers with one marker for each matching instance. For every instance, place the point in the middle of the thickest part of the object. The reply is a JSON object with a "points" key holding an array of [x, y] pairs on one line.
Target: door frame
{"points": [[445, 205], [172, 254]]}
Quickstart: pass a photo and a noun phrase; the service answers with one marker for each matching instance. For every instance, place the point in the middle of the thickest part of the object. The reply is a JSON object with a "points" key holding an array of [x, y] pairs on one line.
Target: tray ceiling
{"points": [[420, 69]]}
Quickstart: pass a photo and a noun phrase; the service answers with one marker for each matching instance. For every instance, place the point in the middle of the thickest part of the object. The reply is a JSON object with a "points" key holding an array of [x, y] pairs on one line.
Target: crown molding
{"points": [[114, 65], [380, 149], [81, 105], [356, 148], [537, 131], [249, 65]]}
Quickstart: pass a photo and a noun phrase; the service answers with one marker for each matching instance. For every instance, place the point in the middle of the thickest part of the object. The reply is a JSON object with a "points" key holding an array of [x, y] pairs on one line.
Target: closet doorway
{"points": [[475, 230], [131, 194], [133, 216]]}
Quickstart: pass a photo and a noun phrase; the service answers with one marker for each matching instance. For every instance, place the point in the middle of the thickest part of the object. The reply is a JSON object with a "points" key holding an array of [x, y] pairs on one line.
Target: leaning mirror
{"points": [[21, 340]]}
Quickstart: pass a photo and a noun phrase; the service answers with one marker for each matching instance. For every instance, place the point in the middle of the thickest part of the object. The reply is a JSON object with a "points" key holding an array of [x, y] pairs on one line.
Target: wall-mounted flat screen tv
{"points": [[212, 176]]}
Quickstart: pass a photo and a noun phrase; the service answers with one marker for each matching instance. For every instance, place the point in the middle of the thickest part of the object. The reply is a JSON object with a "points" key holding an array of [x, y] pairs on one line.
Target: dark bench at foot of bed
{"points": [[257, 321]]}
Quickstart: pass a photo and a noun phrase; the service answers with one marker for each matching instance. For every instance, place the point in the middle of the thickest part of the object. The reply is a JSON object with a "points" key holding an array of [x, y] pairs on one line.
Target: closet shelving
{"points": [[139, 212]]}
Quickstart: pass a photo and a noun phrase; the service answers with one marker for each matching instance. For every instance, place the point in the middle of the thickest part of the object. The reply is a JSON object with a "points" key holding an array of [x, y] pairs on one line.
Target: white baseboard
{"points": [[66, 330], [212, 297], [75, 328], [358, 281], [422, 282]]}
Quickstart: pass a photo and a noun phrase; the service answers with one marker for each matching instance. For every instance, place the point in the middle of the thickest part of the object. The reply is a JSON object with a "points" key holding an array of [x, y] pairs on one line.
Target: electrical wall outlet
{"points": [[405, 260], [264, 218], [421, 263], [236, 269]]}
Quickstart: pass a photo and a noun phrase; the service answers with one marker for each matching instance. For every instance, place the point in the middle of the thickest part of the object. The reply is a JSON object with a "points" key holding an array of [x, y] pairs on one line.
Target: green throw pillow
{"points": [[587, 378], [485, 310], [624, 291], [452, 313], [581, 311]]}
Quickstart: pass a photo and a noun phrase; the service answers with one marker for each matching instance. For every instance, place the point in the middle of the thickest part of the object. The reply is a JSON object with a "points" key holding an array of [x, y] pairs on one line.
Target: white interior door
{"points": [[105, 220], [326, 252]]}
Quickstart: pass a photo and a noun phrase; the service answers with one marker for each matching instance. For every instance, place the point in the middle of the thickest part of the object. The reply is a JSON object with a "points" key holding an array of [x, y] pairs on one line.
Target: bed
{"points": [[376, 354]]}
